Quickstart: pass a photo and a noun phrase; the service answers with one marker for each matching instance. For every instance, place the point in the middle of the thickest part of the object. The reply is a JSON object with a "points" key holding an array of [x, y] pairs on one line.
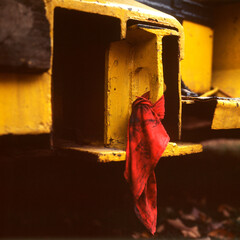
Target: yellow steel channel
{"points": [[134, 67], [26, 99]]}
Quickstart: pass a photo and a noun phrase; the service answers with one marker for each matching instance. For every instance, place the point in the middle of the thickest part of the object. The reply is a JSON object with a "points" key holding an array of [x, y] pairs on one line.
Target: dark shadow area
{"points": [[197, 120], [10, 143], [132, 22], [206, 133], [62, 196], [80, 43], [49, 194], [170, 55], [206, 175]]}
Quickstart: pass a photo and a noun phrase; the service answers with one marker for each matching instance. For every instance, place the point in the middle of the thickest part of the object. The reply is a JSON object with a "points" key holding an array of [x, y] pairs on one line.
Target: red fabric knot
{"points": [[146, 141]]}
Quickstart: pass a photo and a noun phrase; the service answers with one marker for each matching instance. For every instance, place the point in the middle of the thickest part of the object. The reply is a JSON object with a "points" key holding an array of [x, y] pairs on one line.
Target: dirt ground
{"points": [[64, 195]]}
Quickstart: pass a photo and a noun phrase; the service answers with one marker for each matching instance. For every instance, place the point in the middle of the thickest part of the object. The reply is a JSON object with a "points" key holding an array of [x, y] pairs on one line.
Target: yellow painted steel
{"points": [[117, 94], [25, 103], [115, 155], [197, 64], [226, 58], [226, 115], [25, 100], [134, 67], [122, 9]]}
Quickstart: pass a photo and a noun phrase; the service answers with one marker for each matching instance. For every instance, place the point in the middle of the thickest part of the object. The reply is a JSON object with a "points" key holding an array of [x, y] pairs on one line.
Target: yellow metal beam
{"points": [[117, 89], [122, 9], [196, 67], [226, 115], [134, 67], [226, 54], [114, 155], [25, 103], [25, 100]]}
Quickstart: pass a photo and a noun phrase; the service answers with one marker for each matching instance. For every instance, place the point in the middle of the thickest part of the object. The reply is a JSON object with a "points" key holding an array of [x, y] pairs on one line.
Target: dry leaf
{"points": [[138, 235], [196, 212], [186, 231], [226, 210], [160, 228], [216, 225], [201, 215], [146, 235], [191, 232], [226, 213], [204, 218], [228, 222], [221, 234], [227, 207], [195, 215], [187, 216]]}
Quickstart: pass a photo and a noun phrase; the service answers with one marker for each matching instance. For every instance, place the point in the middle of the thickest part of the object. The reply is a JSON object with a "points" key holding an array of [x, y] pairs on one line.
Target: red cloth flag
{"points": [[147, 140]]}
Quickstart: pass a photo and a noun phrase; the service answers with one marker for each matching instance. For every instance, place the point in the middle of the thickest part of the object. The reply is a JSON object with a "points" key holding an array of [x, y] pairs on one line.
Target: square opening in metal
{"points": [[80, 43]]}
